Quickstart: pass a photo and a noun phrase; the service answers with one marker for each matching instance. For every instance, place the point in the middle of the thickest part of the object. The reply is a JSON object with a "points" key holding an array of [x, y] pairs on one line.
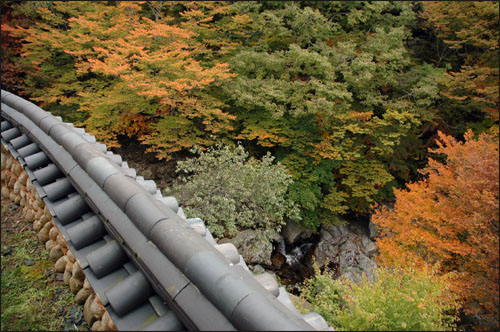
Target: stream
{"points": [[348, 246], [294, 263]]}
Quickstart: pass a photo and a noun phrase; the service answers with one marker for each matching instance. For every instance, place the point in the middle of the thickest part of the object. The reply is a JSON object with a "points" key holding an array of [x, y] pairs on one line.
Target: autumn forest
{"points": [[387, 110]]}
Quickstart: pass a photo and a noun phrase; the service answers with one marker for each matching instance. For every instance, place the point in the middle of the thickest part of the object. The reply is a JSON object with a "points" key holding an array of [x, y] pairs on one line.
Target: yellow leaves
{"points": [[131, 5], [206, 81], [242, 19], [49, 16], [193, 66], [16, 32], [102, 67], [465, 22], [221, 72], [494, 130], [326, 150], [76, 52], [156, 30], [360, 116], [466, 26], [451, 96], [266, 138], [133, 124], [101, 50], [162, 94], [197, 15]]}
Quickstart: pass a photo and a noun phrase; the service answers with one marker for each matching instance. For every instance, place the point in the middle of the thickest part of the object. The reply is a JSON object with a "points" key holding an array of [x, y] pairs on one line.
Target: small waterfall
{"points": [[293, 262], [297, 253], [281, 247]]}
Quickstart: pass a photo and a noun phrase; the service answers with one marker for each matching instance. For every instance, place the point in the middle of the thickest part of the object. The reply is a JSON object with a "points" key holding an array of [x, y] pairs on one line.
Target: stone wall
{"points": [[16, 186]]}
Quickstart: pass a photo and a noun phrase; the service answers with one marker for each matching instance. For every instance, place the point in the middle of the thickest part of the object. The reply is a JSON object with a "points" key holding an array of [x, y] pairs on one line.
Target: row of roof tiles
{"points": [[143, 257]]}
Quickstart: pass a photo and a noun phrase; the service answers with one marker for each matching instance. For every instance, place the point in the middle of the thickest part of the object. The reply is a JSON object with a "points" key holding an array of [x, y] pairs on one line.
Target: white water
{"points": [[295, 254]]}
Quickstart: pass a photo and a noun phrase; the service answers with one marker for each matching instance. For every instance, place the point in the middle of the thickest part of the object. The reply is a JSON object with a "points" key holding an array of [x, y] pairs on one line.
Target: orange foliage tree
{"points": [[12, 75], [132, 75], [451, 218]]}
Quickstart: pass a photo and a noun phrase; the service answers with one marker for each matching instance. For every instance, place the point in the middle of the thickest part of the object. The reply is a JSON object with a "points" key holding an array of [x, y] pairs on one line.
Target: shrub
{"points": [[399, 300], [451, 217], [232, 192]]}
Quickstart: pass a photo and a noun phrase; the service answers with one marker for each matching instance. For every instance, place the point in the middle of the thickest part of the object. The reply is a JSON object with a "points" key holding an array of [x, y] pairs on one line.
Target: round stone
{"points": [[82, 295], [56, 253], [60, 265], [53, 233], [75, 285], [49, 245]]}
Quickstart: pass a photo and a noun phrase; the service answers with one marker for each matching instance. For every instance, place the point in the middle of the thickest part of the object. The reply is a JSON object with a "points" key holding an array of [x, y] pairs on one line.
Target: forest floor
{"points": [[33, 295], [146, 164]]}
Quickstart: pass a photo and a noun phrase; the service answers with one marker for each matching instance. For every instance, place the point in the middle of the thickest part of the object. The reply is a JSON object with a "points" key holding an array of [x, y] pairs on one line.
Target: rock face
{"points": [[292, 232], [253, 251], [372, 229], [350, 248]]}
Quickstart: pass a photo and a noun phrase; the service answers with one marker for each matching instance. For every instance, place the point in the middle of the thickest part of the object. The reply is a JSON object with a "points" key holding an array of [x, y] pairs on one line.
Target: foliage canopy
{"points": [[399, 300], [451, 218], [232, 192], [348, 96], [342, 93]]}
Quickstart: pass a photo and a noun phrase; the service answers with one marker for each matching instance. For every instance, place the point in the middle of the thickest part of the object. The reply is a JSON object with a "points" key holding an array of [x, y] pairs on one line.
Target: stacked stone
{"points": [[11, 170], [94, 313], [17, 186]]}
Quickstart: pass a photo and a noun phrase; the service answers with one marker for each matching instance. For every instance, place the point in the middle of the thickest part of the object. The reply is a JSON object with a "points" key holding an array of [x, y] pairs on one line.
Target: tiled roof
{"points": [[150, 266]]}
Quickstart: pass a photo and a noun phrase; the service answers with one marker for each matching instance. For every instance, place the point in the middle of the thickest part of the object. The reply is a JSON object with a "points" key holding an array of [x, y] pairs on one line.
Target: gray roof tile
{"points": [[137, 238]]}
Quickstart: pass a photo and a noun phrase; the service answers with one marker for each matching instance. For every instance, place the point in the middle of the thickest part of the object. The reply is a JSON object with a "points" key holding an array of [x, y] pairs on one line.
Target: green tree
{"points": [[337, 101], [232, 192], [399, 300], [466, 35]]}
